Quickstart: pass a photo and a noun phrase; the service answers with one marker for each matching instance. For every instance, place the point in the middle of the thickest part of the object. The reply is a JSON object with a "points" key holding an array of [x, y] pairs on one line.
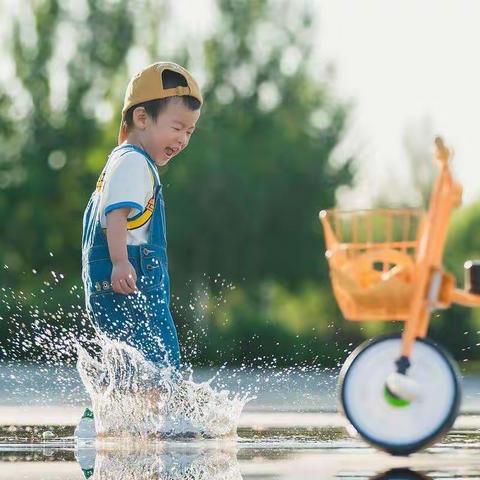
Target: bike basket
{"points": [[371, 254]]}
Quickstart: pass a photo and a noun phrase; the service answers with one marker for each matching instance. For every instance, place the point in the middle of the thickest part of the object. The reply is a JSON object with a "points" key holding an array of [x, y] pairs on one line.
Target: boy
{"points": [[124, 258]]}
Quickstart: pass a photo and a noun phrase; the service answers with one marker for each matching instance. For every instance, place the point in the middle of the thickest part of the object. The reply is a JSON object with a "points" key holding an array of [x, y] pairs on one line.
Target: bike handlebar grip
{"points": [[472, 276]]}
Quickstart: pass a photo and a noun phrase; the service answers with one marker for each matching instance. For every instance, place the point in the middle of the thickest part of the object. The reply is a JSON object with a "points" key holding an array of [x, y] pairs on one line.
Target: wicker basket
{"points": [[371, 254]]}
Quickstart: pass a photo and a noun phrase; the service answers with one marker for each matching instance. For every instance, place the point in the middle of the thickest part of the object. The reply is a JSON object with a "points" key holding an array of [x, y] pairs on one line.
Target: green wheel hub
{"points": [[393, 400]]}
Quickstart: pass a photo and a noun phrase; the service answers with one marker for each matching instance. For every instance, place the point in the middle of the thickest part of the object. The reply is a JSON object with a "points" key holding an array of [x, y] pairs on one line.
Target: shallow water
{"points": [[290, 431], [278, 390], [272, 453]]}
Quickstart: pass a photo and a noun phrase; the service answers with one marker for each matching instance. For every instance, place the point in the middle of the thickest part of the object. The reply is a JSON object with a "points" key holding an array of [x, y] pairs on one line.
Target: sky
{"points": [[404, 64]]}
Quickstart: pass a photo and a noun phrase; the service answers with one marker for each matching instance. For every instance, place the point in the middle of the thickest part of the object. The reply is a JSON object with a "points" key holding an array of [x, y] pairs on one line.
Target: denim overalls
{"points": [[142, 320]]}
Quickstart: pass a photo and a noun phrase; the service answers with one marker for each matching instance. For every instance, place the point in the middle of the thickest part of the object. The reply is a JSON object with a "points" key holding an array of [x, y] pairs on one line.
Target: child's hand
{"points": [[124, 277]]}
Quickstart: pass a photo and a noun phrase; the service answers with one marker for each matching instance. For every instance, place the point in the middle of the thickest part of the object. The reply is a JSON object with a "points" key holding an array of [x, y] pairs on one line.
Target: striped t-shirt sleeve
{"points": [[128, 183]]}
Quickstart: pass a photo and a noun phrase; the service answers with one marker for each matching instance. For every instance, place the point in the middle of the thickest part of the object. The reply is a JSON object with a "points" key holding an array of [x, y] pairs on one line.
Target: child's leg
{"points": [[143, 321], [111, 313], [155, 334]]}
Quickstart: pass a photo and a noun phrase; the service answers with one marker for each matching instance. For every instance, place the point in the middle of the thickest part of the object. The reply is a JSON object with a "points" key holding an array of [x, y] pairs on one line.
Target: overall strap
{"points": [[156, 209], [150, 162], [142, 217]]}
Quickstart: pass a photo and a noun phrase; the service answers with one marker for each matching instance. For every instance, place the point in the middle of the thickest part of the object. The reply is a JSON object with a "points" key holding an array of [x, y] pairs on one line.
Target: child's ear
{"points": [[140, 117]]}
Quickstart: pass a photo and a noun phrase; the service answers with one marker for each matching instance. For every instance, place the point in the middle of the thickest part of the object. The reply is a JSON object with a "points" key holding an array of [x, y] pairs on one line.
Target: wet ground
{"points": [[261, 451], [291, 431]]}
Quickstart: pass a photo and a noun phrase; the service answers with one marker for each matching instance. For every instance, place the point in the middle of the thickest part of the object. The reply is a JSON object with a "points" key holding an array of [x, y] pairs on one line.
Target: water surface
{"points": [[290, 431]]}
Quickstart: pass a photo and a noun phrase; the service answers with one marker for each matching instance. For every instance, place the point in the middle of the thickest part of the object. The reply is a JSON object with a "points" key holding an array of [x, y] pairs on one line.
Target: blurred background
{"points": [[308, 105]]}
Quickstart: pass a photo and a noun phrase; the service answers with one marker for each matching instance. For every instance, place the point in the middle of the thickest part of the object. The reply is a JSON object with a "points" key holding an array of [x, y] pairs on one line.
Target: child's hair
{"points": [[170, 79]]}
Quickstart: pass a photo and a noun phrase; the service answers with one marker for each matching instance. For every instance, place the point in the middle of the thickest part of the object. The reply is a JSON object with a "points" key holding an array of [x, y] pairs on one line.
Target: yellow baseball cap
{"points": [[148, 85]]}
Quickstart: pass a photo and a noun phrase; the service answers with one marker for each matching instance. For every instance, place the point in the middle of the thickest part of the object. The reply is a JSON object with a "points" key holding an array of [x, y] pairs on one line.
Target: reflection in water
{"points": [[270, 453], [401, 474], [160, 463]]}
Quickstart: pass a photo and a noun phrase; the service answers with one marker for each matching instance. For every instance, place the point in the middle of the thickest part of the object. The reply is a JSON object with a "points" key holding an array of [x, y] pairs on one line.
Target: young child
{"points": [[124, 256]]}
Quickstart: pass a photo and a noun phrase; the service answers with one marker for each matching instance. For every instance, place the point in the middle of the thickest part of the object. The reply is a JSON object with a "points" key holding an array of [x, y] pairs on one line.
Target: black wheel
{"points": [[401, 474], [398, 426]]}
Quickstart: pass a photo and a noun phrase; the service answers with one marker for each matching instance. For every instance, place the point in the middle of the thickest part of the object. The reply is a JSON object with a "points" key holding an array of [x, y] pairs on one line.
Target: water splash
{"points": [[45, 324], [131, 395]]}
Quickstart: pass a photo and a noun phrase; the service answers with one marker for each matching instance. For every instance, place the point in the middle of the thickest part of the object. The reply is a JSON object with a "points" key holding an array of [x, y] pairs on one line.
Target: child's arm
{"points": [[124, 277]]}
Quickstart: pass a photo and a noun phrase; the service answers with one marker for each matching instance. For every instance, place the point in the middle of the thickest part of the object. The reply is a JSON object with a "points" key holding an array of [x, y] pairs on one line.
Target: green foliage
{"points": [[242, 201], [460, 326], [44, 195], [273, 324], [463, 242]]}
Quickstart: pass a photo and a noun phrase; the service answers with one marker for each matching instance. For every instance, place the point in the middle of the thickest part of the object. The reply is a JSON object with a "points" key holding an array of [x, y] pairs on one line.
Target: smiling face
{"points": [[167, 135]]}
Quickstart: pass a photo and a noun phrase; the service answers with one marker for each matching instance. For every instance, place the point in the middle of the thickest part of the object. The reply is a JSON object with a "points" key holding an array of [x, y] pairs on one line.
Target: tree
{"points": [[242, 201], [46, 178]]}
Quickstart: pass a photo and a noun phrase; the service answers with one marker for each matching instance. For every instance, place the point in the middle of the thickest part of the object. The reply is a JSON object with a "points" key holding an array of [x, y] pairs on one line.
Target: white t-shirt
{"points": [[128, 182]]}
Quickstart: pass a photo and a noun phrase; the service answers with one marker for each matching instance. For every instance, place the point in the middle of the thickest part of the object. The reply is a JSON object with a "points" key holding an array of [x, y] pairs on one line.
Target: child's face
{"points": [[170, 133]]}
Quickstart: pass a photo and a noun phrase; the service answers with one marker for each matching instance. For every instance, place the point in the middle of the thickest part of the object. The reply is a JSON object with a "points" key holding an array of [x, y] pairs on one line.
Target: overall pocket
{"points": [[152, 269], [98, 275]]}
